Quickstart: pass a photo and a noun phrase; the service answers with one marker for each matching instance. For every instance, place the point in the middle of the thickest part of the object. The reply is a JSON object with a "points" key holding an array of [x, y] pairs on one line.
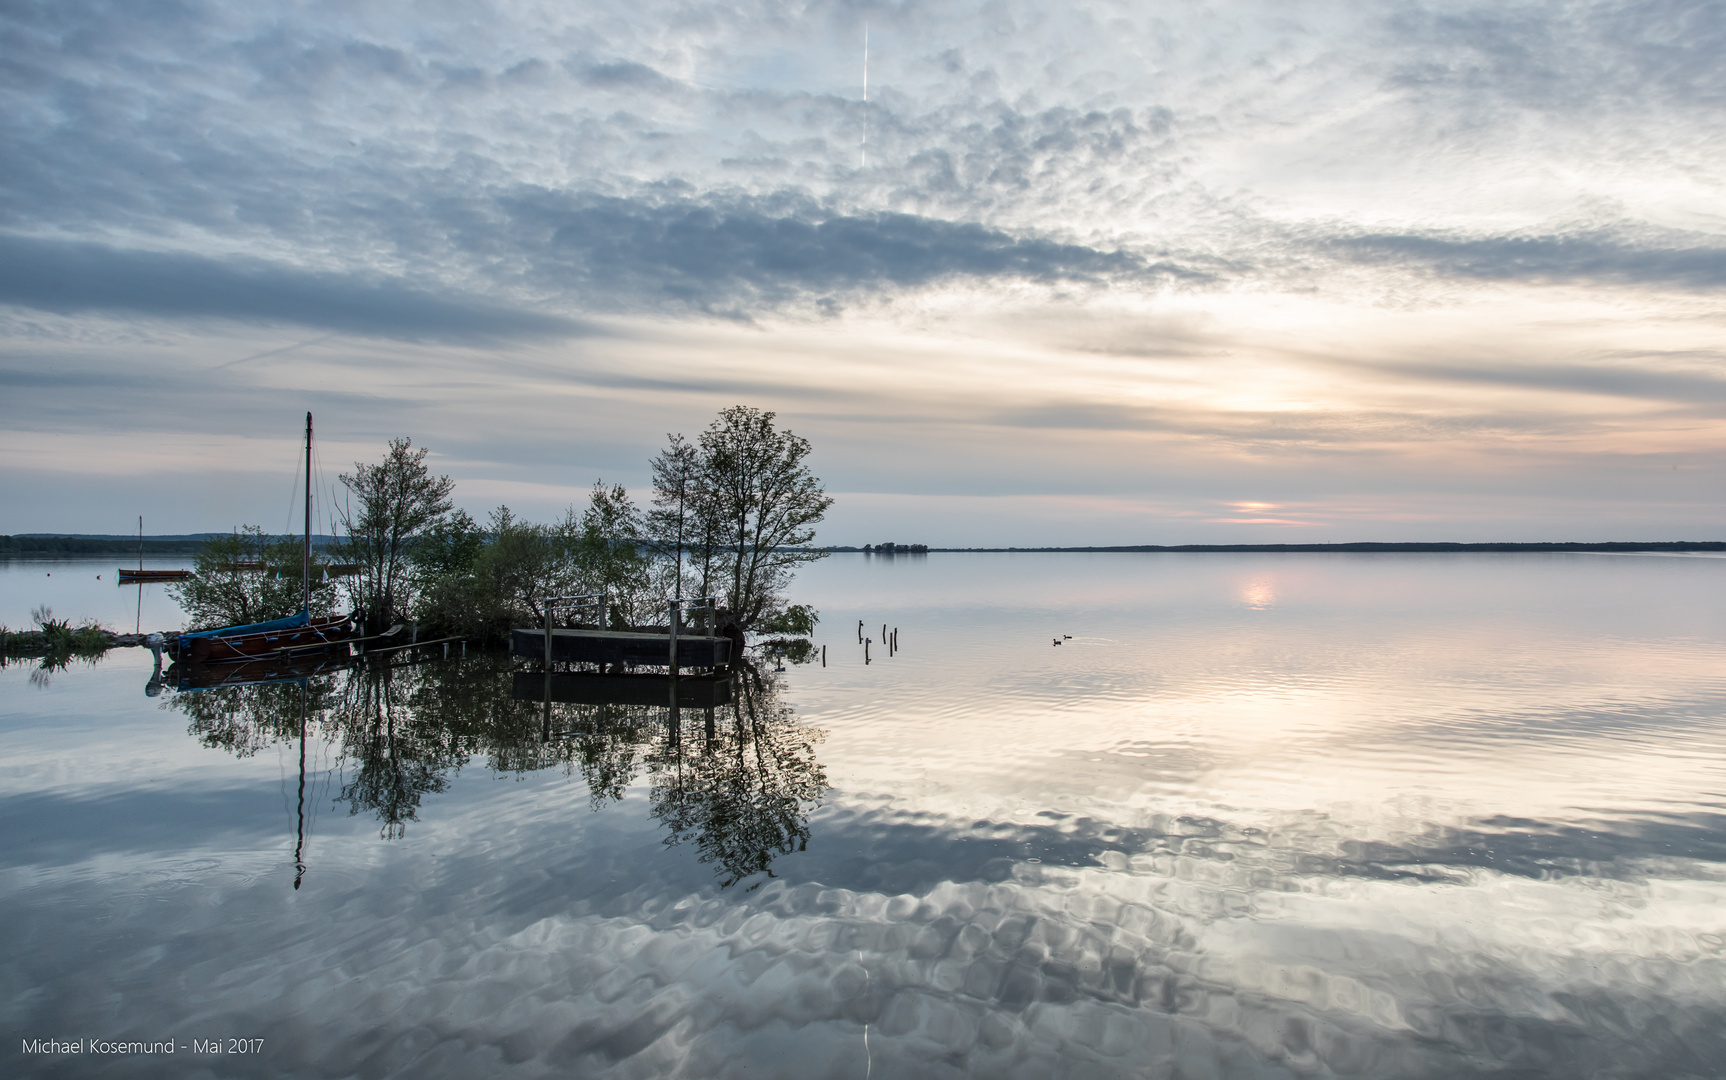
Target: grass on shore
{"points": [[56, 638]]}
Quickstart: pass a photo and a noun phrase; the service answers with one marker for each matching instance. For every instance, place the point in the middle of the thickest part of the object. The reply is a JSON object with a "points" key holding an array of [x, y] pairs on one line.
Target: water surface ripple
{"points": [[1258, 816]]}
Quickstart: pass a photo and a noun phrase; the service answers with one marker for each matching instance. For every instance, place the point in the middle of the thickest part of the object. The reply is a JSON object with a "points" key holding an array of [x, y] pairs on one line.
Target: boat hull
{"points": [[129, 576], [318, 634]]}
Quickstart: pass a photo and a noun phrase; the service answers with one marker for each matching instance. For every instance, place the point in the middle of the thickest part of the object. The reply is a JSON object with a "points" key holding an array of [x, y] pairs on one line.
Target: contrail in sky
{"points": [[275, 352]]}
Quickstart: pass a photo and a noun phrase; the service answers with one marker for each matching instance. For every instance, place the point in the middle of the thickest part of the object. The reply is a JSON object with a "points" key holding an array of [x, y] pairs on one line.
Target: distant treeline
{"points": [[116, 545], [77, 545], [1655, 545]]}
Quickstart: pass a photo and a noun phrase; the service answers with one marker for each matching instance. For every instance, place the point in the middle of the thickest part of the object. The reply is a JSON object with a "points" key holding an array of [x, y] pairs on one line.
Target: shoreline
{"points": [[1416, 547]]}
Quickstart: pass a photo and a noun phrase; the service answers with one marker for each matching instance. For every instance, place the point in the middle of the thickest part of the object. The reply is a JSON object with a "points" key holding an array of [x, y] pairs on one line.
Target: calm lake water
{"points": [[1328, 815]]}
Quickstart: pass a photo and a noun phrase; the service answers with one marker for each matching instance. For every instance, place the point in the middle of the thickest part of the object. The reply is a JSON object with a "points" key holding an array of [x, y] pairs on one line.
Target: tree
{"points": [[520, 565], [605, 545], [758, 507], [399, 501], [248, 577], [676, 489]]}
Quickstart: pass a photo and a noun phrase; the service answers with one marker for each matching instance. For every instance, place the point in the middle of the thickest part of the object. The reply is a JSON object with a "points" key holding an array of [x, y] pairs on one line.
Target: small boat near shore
{"points": [[129, 577], [296, 633], [139, 576]]}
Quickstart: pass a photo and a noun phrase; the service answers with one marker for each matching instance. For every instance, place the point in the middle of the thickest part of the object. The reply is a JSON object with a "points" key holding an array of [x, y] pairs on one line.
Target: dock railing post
{"points": [[545, 731], [671, 617]]}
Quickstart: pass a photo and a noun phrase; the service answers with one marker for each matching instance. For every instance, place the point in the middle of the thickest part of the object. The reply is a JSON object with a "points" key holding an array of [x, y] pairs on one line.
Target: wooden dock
{"points": [[629, 648]]}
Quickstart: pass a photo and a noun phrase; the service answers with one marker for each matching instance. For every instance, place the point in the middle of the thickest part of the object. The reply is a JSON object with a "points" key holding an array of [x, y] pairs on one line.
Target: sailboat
{"points": [[141, 575], [293, 634]]}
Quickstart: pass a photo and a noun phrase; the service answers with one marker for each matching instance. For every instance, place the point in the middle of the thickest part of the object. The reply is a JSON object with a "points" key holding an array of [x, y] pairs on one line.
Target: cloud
{"points": [[65, 277], [718, 252], [1633, 380], [1600, 257]]}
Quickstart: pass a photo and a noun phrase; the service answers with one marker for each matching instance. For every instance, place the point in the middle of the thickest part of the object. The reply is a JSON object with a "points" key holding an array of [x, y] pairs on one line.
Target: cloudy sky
{"points": [[1076, 272]]}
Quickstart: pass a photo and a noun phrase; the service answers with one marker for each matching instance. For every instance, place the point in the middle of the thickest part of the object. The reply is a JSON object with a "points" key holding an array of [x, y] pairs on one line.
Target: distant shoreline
{"points": [[40, 545], [1344, 548]]}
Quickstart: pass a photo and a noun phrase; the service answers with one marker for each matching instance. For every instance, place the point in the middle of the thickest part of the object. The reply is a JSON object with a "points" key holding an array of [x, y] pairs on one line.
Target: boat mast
{"points": [[140, 544], [306, 568]]}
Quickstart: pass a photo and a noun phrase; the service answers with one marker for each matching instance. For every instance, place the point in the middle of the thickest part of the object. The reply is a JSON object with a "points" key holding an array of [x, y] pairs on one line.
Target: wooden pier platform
{"points": [[621, 647]]}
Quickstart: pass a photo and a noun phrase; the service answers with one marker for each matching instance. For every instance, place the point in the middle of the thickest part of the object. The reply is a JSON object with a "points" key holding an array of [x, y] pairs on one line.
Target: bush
{"points": [[249, 577]]}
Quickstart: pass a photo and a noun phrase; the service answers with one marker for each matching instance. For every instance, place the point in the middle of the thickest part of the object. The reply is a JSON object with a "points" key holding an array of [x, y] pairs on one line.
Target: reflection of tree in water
{"points": [[401, 753], [739, 788], [246, 719], [741, 794]]}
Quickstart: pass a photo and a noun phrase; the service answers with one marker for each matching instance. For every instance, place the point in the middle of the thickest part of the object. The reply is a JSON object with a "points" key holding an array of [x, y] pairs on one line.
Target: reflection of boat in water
{"points": [[282, 667], [593, 688], [293, 634]]}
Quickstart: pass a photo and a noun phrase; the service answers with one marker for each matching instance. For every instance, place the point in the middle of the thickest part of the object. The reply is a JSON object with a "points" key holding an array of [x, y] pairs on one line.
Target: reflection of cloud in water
{"points": [[1188, 963], [1201, 844]]}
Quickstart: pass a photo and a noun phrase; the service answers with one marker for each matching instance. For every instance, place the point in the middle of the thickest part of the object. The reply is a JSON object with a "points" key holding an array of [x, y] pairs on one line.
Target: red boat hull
{"points": [[153, 575], [319, 634]]}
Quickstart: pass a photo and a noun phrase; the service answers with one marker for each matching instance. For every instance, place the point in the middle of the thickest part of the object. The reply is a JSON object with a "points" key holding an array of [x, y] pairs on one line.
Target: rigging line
{"points": [[293, 497], [318, 482]]}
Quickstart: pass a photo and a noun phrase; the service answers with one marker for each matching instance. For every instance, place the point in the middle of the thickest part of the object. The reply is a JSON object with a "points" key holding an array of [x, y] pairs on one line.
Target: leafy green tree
{"points": [[250, 576], [480, 582], [672, 525], [399, 502], [605, 547], [759, 505], [448, 548]]}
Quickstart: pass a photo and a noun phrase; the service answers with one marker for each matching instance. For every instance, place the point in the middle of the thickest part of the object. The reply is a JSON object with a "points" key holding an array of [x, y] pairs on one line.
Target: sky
{"points": [[1072, 273]]}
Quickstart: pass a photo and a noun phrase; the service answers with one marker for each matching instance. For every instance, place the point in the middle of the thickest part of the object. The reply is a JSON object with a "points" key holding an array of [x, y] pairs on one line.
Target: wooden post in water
{"points": [[674, 719], [545, 727]]}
